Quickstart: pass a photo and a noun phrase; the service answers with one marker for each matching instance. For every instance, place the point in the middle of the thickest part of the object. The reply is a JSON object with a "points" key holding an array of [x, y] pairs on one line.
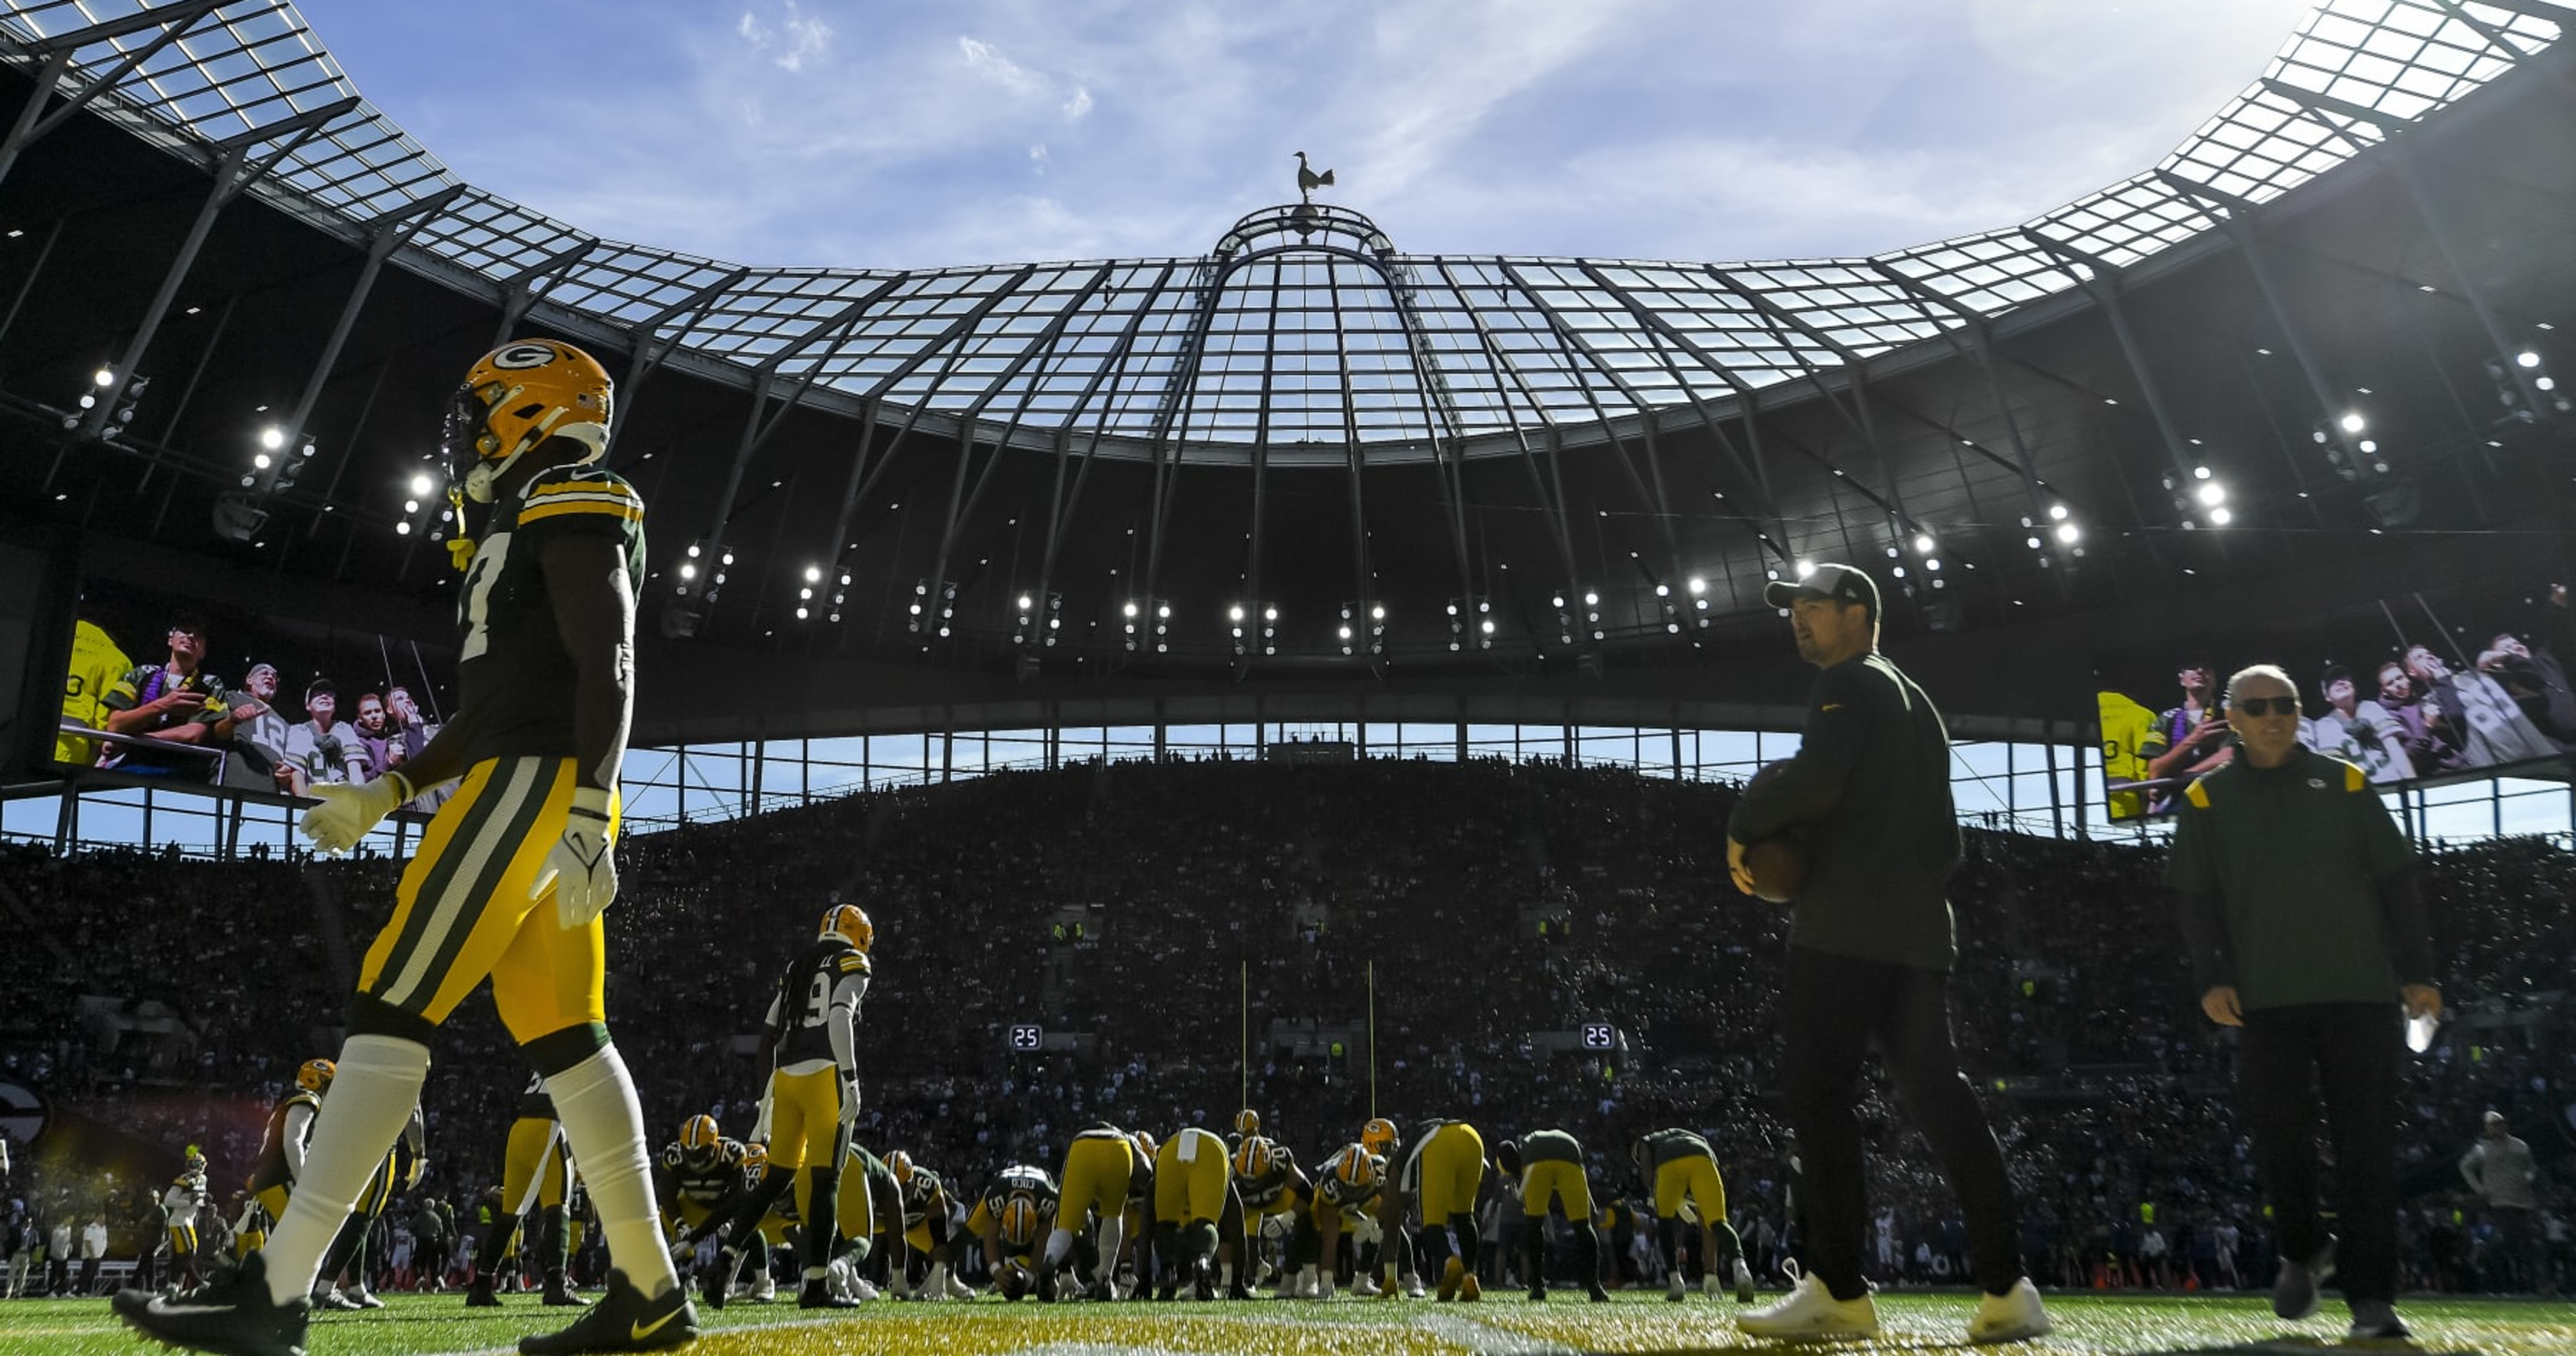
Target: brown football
{"points": [[1778, 867]]}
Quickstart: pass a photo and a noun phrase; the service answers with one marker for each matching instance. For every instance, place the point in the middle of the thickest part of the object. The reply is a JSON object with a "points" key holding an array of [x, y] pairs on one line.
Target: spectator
{"points": [[2500, 1170]]}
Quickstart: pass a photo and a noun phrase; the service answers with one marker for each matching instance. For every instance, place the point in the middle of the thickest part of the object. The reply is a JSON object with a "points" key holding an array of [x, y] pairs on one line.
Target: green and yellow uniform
{"points": [[463, 910], [281, 1151], [1552, 1172], [2128, 740], [1190, 1173], [1683, 1166], [1097, 1168], [96, 666]]}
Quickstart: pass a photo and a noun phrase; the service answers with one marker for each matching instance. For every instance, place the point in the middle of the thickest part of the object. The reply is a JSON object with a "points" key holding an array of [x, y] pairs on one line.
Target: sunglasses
{"points": [[2268, 706]]}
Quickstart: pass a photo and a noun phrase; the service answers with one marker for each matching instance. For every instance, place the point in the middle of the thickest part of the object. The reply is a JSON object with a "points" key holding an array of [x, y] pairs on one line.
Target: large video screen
{"points": [[173, 687], [2425, 685]]}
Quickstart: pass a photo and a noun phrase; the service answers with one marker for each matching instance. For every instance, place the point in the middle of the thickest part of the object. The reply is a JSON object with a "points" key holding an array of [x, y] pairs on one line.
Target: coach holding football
{"points": [[1870, 951], [2304, 918]]}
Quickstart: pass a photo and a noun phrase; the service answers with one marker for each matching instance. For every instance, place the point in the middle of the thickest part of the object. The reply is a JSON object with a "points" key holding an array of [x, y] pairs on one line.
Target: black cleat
{"points": [[231, 1316], [1046, 1285], [561, 1296], [479, 1294], [622, 1320], [1597, 1294], [818, 1295], [1538, 1294], [1202, 1281]]}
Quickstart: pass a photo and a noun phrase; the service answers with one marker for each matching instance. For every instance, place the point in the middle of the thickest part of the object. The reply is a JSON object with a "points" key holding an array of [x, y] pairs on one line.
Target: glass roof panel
{"points": [[1298, 345]]}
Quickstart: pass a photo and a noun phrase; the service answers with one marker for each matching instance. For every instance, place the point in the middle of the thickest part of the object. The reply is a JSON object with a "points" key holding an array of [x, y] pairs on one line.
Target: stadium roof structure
{"points": [[1306, 419]]}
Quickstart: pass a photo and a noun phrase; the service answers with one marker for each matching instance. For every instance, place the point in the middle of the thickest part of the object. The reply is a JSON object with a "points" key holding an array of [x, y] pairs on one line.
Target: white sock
{"points": [[595, 1102], [1058, 1245], [1113, 1231], [370, 1100]]}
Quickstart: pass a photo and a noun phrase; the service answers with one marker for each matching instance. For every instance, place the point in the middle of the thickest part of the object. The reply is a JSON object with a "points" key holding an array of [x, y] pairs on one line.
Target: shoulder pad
{"points": [[580, 491], [670, 1155], [855, 963]]}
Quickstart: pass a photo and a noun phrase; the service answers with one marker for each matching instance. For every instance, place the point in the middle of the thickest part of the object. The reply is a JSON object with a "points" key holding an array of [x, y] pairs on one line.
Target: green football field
{"points": [[1507, 1326]]}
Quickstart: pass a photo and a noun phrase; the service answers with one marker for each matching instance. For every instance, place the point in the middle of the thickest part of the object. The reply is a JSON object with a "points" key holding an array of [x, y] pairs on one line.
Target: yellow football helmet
{"points": [[1247, 1122], [900, 1164], [1379, 1135], [755, 1158], [515, 398], [1020, 1223], [1254, 1158], [1357, 1169], [699, 1136], [316, 1075], [1146, 1148], [850, 923]]}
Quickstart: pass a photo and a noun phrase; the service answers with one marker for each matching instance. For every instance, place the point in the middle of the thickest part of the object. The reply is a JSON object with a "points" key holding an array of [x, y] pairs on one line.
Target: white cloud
{"points": [[806, 39], [1038, 158], [986, 60], [1078, 105]]}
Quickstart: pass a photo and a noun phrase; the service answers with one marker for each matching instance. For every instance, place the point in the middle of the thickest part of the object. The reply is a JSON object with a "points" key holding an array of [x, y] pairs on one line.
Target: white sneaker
{"points": [[1675, 1288], [1363, 1285], [958, 1289], [2013, 1316], [1413, 1288], [1810, 1310], [861, 1289]]}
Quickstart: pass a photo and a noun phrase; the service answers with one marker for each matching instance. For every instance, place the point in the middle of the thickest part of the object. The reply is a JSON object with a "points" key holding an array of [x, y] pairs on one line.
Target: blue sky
{"points": [[876, 134]]}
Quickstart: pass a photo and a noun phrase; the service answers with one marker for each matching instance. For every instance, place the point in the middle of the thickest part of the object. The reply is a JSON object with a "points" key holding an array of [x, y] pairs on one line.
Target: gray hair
{"points": [[2272, 671]]}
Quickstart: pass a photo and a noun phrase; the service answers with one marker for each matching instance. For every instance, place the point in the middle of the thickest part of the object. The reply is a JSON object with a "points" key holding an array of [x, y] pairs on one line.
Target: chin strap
{"points": [[460, 543]]}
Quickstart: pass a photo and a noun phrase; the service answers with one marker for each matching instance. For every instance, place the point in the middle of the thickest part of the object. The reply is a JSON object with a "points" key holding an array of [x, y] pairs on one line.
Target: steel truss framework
{"points": [[1332, 350]]}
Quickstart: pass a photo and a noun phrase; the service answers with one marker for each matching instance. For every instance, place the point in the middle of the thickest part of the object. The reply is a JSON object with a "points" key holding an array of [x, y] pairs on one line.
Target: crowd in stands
{"points": [[1154, 920]]}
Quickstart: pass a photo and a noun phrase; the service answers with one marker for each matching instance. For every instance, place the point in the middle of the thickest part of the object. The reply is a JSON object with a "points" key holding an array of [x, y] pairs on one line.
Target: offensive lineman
{"points": [[512, 872], [812, 1100], [534, 1177], [1675, 1165]]}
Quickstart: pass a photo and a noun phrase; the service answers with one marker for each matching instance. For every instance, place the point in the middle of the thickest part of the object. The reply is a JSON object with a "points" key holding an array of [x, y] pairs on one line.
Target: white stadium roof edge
{"points": [[1402, 355]]}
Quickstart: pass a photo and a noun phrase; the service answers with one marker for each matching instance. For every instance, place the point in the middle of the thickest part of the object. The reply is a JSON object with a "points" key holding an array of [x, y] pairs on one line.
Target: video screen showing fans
{"points": [[198, 693], [2420, 686]]}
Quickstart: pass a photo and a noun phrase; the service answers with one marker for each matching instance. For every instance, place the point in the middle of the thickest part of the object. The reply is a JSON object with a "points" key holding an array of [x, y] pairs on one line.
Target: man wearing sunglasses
{"points": [[2305, 923]]}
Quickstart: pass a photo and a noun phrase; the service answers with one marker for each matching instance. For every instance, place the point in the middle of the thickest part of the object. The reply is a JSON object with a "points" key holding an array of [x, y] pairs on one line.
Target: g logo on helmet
{"points": [[520, 357]]}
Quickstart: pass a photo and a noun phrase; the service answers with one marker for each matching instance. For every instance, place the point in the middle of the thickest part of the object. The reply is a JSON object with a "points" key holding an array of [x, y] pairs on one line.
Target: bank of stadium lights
{"points": [[1471, 622], [2509, 389], [805, 599], [1147, 616], [1024, 625], [695, 563], [923, 618], [1353, 622], [1240, 624]]}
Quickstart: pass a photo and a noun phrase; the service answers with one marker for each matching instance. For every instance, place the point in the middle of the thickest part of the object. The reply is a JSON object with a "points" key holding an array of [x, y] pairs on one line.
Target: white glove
{"points": [[849, 1098], [760, 1124], [578, 866], [342, 814]]}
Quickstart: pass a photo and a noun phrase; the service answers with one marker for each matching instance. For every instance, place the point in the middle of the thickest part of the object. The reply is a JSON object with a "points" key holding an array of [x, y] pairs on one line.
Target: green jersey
{"points": [[517, 677]]}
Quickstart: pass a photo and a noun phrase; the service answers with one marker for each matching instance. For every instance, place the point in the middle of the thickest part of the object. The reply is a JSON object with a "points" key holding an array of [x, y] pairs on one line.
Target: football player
{"points": [[1676, 1165], [513, 870], [1551, 1173], [1441, 1174], [812, 1100], [1194, 1206], [283, 1145], [1010, 1220], [1346, 1197], [703, 1179], [1269, 1183], [181, 1204], [1097, 1168], [535, 1174], [926, 1230]]}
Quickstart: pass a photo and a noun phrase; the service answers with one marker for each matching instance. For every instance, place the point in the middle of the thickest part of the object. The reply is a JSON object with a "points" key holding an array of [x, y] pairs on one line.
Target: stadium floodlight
{"points": [[1698, 586], [1488, 625], [2033, 542], [106, 376], [1932, 563], [421, 485], [403, 529], [1234, 612], [688, 571], [1591, 598], [1130, 609], [693, 550], [1557, 600], [1805, 568], [1026, 602], [2057, 511], [2220, 517], [1663, 590], [1923, 543], [260, 461], [1346, 633], [2352, 422], [2200, 473], [1270, 614], [2067, 533], [272, 437], [2213, 494], [2526, 358], [813, 574], [411, 506], [1377, 612]]}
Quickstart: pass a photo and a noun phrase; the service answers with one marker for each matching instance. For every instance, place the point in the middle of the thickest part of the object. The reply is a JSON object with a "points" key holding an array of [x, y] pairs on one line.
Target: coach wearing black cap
{"points": [[1870, 951]]}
